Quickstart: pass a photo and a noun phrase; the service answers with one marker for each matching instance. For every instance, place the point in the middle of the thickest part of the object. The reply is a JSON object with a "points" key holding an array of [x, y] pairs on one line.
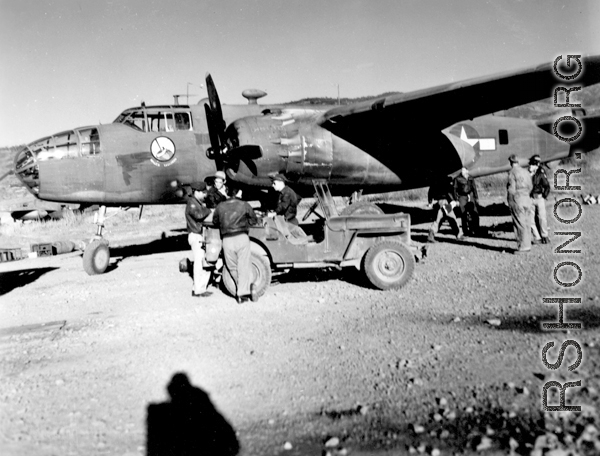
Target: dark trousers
{"points": [[468, 215]]}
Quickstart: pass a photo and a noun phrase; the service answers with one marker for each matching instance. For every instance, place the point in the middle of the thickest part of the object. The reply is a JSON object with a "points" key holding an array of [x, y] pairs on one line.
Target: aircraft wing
{"points": [[435, 108]]}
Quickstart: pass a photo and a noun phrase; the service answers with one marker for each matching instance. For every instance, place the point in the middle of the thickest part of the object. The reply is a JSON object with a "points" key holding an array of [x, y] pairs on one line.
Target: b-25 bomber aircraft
{"points": [[396, 142]]}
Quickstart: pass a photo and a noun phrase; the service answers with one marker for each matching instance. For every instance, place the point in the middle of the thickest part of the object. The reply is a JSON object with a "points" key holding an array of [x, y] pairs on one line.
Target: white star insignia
{"points": [[463, 136]]}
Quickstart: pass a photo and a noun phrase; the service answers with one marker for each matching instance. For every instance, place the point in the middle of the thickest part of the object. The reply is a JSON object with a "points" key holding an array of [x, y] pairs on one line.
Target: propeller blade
{"points": [[250, 165], [215, 107], [213, 133]]}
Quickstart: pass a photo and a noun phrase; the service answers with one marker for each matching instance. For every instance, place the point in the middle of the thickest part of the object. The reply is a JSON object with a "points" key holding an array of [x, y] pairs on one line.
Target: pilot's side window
{"points": [[182, 121]]}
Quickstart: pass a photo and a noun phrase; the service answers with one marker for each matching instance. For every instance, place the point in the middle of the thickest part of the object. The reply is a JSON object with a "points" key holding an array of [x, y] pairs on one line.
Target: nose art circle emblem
{"points": [[162, 148]]}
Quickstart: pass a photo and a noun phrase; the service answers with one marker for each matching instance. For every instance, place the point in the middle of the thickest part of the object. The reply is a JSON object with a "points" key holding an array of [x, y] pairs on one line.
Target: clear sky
{"points": [[68, 63]]}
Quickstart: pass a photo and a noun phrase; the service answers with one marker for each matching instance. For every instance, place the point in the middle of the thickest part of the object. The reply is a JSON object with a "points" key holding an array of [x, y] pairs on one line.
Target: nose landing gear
{"points": [[97, 254]]}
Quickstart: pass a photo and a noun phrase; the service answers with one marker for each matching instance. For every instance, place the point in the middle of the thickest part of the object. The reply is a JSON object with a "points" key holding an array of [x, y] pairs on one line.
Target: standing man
{"points": [[287, 204], [519, 201], [541, 190], [441, 193], [195, 214], [218, 192], [234, 217], [465, 192]]}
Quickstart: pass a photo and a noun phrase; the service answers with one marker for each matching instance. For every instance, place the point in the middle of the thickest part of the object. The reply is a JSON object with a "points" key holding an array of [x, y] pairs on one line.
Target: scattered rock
{"points": [[287, 446], [484, 444], [332, 442], [363, 409], [494, 322], [418, 429]]}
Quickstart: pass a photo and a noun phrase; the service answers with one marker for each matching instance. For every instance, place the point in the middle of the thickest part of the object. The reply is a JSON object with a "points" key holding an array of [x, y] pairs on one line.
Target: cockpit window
{"points": [[183, 121], [90, 141], [156, 120]]}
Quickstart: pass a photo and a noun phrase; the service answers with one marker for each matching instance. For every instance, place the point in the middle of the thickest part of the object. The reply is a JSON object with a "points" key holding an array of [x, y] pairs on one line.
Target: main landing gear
{"points": [[96, 255]]}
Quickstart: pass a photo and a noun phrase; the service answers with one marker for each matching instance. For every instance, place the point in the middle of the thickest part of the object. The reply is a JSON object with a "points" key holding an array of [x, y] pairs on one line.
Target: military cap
{"points": [[513, 159], [277, 177], [535, 160], [220, 175]]}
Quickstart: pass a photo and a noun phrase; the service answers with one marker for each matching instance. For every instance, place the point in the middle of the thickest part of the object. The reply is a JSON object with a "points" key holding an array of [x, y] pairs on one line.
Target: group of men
{"points": [[527, 192], [449, 193], [221, 205]]}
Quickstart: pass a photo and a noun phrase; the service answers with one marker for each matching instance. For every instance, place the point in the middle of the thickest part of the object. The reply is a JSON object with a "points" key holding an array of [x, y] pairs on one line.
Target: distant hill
{"points": [[589, 97], [10, 186]]}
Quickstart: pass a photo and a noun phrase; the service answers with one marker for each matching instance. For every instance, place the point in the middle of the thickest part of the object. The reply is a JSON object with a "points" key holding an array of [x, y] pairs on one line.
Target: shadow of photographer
{"points": [[188, 424]]}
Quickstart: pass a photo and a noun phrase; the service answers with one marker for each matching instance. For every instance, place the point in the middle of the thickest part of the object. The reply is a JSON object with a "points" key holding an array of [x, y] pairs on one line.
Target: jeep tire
{"points": [[388, 265], [261, 274], [362, 207]]}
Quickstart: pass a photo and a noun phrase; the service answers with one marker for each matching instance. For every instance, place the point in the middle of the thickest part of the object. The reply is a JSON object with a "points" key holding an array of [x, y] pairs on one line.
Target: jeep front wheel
{"points": [[388, 265], [260, 275]]}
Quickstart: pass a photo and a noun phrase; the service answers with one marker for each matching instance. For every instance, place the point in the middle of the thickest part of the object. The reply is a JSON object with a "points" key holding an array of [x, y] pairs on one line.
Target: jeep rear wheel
{"points": [[260, 275], [388, 265]]}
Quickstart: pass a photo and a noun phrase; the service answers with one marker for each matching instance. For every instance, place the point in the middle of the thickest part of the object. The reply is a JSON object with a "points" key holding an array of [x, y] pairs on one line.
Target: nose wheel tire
{"points": [[96, 257], [388, 265]]}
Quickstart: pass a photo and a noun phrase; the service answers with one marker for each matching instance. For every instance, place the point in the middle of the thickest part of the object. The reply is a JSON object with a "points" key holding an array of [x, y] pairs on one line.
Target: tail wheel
{"points": [[388, 265], [96, 257], [362, 207], [260, 275]]}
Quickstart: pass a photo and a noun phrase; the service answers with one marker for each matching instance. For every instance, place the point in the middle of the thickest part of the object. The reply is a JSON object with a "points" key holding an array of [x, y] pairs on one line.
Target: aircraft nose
{"points": [[27, 169], [69, 144]]}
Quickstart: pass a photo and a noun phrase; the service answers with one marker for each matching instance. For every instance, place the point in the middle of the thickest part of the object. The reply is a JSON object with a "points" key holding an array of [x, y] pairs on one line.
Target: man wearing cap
{"points": [[465, 192], [539, 193], [519, 188], [287, 204], [234, 217], [218, 192], [195, 214]]}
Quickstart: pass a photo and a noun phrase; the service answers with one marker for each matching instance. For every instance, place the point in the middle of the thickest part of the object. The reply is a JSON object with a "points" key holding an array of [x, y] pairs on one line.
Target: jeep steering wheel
{"points": [[312, 209]]}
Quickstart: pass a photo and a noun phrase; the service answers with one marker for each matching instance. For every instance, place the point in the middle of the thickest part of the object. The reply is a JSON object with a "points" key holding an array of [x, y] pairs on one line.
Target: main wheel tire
{"points": [[362, 207], [260, 278], [96, 257], [388, 265]]}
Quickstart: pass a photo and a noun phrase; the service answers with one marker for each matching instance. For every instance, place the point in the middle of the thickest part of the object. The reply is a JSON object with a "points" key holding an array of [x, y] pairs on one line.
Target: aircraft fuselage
{"points": [[135, 159]]}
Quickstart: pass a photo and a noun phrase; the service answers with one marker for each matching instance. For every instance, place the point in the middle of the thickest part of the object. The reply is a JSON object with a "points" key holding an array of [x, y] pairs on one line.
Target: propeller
{"points": [[219, 150]]}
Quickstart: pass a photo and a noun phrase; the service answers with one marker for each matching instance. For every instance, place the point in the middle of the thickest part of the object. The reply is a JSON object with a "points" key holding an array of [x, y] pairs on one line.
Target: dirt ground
{"points": [[449, 364]]}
